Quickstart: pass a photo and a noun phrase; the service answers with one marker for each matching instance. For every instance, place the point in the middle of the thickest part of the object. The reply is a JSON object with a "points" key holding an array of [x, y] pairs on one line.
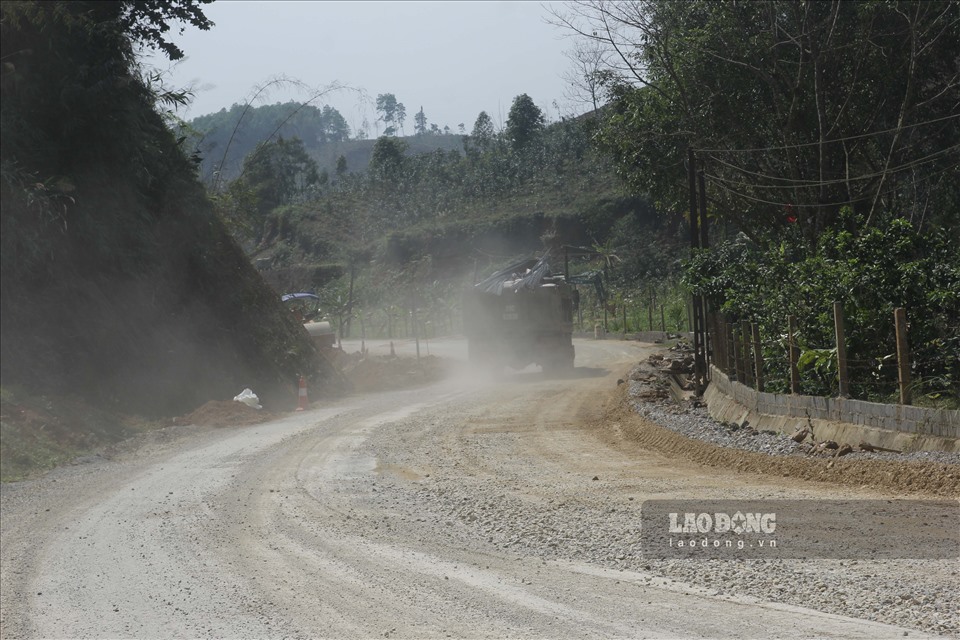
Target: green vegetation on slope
{"points": [[420, 226]]}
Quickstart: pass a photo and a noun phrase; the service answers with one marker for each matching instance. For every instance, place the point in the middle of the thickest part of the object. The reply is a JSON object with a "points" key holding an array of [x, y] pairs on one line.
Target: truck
{"points": [[306, 308], [521, 315]]}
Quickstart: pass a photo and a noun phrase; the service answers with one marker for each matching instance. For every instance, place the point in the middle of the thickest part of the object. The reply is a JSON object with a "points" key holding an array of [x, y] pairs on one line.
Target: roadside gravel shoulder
{"points": [[556, 490], [690, 432]]}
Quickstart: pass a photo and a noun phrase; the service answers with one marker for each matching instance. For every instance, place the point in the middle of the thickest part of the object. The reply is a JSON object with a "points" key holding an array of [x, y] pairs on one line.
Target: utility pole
{"points": [[353, 273], [699, 348]]}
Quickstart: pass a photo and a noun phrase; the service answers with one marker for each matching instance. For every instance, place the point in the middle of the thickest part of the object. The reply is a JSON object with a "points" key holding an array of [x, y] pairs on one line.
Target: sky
{"points": [[454, 59]]}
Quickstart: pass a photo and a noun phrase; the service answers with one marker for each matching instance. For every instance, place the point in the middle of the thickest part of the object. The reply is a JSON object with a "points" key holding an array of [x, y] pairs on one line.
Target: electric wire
{"points": [[718, 181], [803, 145], [794, 183]]}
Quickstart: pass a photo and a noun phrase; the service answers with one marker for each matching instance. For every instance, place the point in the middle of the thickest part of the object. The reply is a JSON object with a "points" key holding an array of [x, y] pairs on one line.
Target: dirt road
{"points": [[470, 509]]}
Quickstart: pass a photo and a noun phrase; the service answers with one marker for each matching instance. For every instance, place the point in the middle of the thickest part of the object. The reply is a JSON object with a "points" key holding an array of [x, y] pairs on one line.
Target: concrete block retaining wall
{"points": [[909, 428]]}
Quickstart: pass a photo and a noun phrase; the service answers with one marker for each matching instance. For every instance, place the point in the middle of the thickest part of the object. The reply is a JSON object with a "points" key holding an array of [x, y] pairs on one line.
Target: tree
{"points": [[816, 105], [275, 174], [420, 123], [392, 113], [341, 166], [483, 131], [386, 162], [401, 115], [148, 22], [334, 127], [525, 122], [588, 60]]}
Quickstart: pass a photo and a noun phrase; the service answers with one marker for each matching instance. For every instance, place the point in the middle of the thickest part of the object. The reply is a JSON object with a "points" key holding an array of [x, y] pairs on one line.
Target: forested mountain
{"points": [[222, 140]]}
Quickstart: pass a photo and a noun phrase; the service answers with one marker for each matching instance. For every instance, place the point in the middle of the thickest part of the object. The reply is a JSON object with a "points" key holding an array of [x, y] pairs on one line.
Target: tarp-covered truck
{"points": [[519, 316], [306, 307]]}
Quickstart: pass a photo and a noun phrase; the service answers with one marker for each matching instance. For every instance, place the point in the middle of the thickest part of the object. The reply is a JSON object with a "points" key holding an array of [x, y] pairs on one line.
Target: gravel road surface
{"points": [[473, 508]]}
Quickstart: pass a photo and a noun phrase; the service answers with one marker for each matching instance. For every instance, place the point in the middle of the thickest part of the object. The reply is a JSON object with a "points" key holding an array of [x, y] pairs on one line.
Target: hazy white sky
{"points": [[454, 59]]}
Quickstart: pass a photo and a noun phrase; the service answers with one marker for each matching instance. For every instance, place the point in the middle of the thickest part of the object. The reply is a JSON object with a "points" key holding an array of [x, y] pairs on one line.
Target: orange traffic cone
{"points": [[302, 403]]}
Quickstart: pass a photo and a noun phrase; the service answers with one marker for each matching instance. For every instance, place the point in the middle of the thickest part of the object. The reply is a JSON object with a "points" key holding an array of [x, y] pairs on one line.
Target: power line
{"points": [[794, 183], [720, 183], [815, 144]]}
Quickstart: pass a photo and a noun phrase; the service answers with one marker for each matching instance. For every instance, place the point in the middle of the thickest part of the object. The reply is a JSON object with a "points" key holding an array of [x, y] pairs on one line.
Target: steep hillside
{"points": [[120, 285], [453, 213]]}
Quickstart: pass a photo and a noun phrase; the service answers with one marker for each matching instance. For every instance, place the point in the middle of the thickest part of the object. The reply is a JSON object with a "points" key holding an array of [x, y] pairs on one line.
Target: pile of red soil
{"points": [[225, 413]]}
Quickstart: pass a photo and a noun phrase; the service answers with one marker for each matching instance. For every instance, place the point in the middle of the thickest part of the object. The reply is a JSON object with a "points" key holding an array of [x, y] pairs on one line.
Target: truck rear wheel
{"points": [[484, 358], [560, 363]]}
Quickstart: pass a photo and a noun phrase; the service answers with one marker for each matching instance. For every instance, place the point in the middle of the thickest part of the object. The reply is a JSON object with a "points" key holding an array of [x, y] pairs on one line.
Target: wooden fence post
{"points": [[792, 348], [709, 335], [745, 338], [729, 355], [841, 350], [737, 351], [624, 319], [757, 355], [903, 354], [723, 345], [712, 336], [712, 332]]}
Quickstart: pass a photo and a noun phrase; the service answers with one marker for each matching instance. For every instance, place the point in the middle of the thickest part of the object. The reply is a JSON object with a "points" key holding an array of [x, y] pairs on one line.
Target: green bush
{"points": [[871, 271]]}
